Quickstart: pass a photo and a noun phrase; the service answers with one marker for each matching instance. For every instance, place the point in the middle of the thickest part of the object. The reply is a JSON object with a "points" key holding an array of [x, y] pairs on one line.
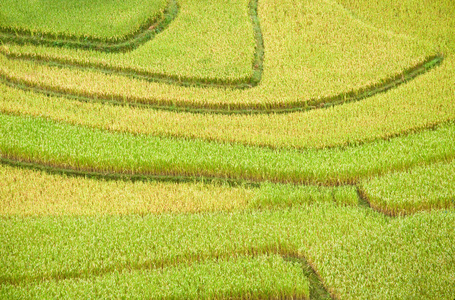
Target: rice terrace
{"points": [[214, 149]]}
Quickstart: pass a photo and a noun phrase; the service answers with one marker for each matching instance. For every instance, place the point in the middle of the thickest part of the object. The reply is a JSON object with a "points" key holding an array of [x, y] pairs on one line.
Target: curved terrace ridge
{"points": [[319, 236], [316, 287], [236, 108], [163, 167], [363, 199], [236, 162], [251, 81], [128, 42]]}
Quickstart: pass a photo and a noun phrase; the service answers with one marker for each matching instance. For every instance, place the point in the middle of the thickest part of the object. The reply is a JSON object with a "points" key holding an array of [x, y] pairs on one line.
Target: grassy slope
{"points": [[99, 19]]}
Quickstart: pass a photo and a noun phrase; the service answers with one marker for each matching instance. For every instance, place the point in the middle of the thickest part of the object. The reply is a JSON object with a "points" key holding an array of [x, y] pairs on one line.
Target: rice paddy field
{"points": [[214, 149]]}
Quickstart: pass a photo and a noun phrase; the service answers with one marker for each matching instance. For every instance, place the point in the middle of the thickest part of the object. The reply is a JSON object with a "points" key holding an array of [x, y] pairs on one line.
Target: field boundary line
{"points": [[71, 172], [128, 42], [93, 172], [315, 282], [241, 83], [363, 200], [194, 174], [317, 288], [233, 109]]}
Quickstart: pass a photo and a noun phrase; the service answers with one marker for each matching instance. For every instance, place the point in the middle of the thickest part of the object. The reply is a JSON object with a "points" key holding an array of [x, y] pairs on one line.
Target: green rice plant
{"points": [[152, 26], [414, 255], [58, 236], [356, 252], [282, 196], [420, 188], [191, 48], [409, 108], [70, 147], [416, 105], [262, 277], [350, 57], [82, 20], [429, 20], [36, 193]]}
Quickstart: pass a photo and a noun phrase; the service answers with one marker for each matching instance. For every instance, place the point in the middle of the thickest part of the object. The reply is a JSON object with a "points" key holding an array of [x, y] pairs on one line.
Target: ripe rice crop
{"points": [[71, 147], [244, 277], [31, 193], [236, 149], [411, 18], [421, 188], [353, 249], [350, 57], [85, 20], [34, 193], [408, 108]]}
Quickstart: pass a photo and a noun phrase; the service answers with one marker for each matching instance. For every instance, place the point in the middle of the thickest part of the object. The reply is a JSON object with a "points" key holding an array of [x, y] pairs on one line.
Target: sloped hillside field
{"points": [[214, 149]]}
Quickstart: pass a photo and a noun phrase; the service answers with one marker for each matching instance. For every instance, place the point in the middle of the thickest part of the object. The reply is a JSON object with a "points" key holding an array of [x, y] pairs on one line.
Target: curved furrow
{"points": [[278, 108], [253, 80], [129, 42], [330, 238], [317, 289], [345, 238], [85, 150]]}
